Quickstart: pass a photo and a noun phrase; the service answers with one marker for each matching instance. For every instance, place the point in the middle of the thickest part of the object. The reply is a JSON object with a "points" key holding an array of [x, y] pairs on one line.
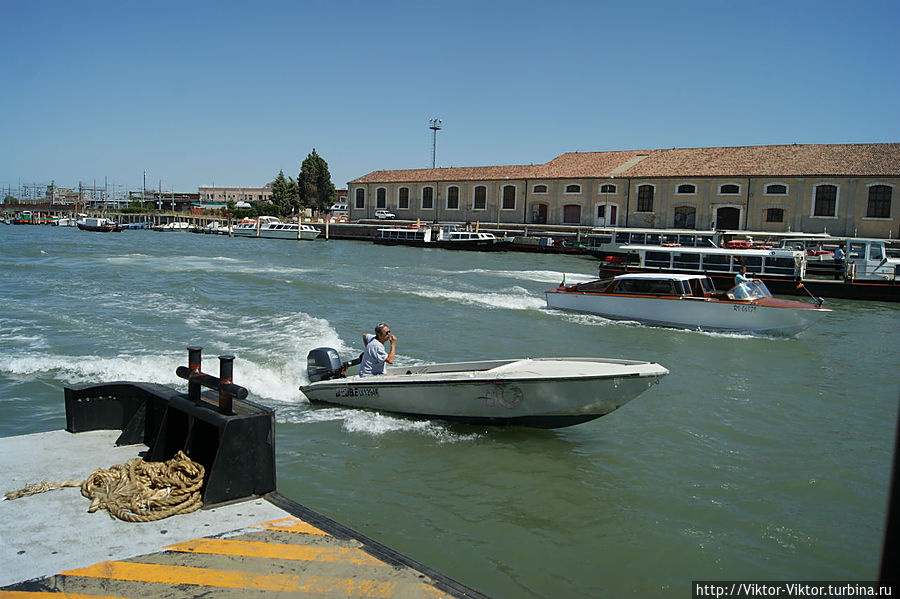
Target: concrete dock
{"points": [[262, 546]]}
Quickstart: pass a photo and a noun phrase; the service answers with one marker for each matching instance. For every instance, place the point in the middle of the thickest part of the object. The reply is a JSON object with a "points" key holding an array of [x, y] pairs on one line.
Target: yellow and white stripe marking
{"points": [[324, 566]]}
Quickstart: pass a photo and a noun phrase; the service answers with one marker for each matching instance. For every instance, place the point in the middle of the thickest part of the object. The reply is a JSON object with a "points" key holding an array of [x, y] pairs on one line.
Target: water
{"points": [[756, 458]]}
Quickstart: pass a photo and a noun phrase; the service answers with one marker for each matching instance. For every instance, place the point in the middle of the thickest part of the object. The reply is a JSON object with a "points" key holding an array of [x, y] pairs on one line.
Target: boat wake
{"points": [[373, 423], [513, 298]]}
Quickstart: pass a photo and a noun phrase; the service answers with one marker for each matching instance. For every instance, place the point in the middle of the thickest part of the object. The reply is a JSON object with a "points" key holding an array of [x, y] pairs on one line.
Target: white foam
{"points": [[515, 298]]}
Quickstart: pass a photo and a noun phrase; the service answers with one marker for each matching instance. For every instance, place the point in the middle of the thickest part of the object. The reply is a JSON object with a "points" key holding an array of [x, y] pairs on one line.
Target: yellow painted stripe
{"points": [[175, 575], [48, 594], [294, 525], [305, 553]]}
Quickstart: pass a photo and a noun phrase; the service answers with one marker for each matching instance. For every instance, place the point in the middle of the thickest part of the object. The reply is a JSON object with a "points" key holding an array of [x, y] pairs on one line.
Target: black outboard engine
{"points": [[322, 364]]}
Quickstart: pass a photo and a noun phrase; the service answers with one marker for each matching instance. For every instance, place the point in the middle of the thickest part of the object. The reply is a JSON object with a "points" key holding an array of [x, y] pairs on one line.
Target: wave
{"points": [[514, 298]]}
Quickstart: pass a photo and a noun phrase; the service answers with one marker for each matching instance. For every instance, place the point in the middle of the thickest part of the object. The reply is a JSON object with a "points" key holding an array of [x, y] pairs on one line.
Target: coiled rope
{"points": [[137, 491]]}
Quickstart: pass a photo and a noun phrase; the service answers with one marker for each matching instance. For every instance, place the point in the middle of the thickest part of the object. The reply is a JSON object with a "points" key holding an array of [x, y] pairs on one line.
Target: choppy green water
{"points": [[756, 458]]}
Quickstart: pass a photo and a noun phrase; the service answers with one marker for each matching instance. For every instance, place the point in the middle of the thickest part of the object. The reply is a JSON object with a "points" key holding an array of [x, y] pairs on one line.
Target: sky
{"points": [[229, 93]]}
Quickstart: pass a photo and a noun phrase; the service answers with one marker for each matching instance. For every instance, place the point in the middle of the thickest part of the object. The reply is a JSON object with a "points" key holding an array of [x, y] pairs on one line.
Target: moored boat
{"points": [[538, 392], [687, 301], [450, 237], [102, 225], [280, 230]]}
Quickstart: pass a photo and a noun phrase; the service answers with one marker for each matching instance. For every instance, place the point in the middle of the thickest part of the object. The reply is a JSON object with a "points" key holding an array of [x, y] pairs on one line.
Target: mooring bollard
{"points": [[226, 374], [194, 361]]}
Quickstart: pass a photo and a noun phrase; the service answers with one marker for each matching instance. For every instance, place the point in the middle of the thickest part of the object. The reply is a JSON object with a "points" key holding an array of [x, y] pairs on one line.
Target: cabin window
{"points": [[705, 241], [776, 189], [645, 198], [657, 260], [453, 198], [875, 252], [687, 240], [687, 261], [825, 200], [670, 238], [573, 188], [638, 238], [541, 188], [784, 266], [857, 250], [645, 286], [509, 197], [653, 238], [622, 238], [686, 188], [716, 261], [607, 188], [479, 200], [685, 217], [360, 197], [729, 189], [380, 197], [879, 201], [775, 215], [403, 198], [753, 263]]}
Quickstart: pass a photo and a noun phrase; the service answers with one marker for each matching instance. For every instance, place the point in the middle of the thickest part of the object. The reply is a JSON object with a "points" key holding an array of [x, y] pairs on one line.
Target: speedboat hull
{"points": [[541, 392]]}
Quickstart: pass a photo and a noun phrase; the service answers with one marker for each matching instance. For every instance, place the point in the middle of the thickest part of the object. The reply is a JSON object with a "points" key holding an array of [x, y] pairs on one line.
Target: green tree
{"points": [[314, 183], [281, 193]]}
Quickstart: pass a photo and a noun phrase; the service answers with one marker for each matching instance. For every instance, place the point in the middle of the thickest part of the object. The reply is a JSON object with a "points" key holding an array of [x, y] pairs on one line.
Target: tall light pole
{"points": [[435, 126]]}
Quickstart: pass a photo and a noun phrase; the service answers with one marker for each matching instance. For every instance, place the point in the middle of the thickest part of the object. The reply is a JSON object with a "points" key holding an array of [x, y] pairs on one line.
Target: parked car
{"points": [[384, 214]]}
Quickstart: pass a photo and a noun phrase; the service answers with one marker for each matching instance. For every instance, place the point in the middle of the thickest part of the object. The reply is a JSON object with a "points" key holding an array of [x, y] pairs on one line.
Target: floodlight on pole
{"points": [[435, 126]]}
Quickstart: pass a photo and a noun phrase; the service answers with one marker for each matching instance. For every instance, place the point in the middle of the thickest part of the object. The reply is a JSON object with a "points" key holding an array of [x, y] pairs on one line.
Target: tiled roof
{"points": [[872, 160]]}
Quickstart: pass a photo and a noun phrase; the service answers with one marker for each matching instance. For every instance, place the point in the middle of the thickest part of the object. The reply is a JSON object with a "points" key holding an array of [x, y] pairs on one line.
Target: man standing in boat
{"points": [[375, 355]]}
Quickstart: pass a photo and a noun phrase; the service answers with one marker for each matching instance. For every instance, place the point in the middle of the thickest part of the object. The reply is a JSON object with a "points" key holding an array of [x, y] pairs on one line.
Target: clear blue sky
{"points": [[229, 93]]}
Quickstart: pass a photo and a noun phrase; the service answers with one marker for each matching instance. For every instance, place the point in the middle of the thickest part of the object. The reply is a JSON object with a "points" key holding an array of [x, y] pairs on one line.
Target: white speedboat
{"points": [[249, 227], [539, 392], [687, 301], [280, 230]]}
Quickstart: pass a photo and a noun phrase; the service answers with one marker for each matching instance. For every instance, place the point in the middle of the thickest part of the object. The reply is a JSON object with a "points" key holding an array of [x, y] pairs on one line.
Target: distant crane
{"points": [[435, 126]]}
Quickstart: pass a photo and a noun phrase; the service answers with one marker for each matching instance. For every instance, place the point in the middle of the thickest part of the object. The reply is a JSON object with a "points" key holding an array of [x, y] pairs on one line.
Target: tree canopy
{"points": [[314, 182], [285, 195]]}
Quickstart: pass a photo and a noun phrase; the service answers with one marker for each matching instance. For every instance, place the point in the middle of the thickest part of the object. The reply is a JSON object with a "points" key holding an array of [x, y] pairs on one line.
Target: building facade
{"points": [[222, 195], [841, 189]]}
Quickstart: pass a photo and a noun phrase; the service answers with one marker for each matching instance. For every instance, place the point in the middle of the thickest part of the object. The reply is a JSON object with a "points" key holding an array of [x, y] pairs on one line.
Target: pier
{"points": [[246, 541]]}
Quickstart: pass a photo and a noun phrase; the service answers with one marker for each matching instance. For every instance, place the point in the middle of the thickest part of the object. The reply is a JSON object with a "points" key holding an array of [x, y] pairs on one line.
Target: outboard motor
{"points": [[322, 364]]}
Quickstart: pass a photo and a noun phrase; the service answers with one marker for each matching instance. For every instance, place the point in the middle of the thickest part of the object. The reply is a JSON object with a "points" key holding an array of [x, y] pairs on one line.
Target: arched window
{"points": [[825, 200], [360, 197], [776, 189], [427, 198], [607, 188], [685, 217], [509, 197], [573, 188], [381, 198], [729, 189], [540, 188], [572, 214], [453, 198], [403, 198], [645, 198], [479, 198], [686, 188], [879, 201]]}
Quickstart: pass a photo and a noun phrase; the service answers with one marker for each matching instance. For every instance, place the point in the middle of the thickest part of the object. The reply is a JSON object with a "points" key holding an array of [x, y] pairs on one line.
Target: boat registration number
{"points": [[750, 308], [356, 392]]}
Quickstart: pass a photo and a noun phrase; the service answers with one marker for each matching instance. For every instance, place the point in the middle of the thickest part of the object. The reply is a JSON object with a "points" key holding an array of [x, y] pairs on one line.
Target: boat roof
{"points": [[696, 250], [656, 276]]}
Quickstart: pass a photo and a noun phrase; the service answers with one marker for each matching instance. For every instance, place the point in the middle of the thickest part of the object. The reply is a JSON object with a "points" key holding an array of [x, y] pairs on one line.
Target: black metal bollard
{"points": [[194, 361], [226, 374]]}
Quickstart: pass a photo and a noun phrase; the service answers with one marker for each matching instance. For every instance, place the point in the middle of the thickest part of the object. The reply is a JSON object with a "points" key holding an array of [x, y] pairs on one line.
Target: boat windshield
{"points": [[750, 290]]}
